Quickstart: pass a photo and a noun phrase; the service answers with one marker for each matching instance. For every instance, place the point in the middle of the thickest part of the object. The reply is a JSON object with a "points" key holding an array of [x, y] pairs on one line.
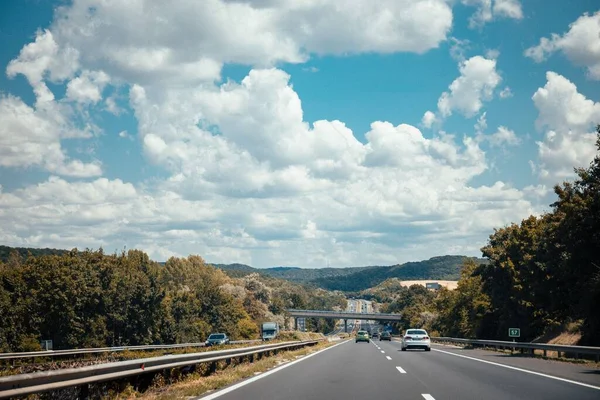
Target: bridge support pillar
{"points": [[346, 325]]}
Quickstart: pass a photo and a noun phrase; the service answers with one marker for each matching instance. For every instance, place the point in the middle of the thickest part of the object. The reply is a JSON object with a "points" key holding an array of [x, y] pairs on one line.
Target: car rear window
{"points": [[416, 332], [362, 332], [221, 336]]}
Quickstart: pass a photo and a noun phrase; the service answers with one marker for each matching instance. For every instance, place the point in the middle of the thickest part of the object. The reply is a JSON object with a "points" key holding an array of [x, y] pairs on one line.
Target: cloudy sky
{"points": [[290, 132]]}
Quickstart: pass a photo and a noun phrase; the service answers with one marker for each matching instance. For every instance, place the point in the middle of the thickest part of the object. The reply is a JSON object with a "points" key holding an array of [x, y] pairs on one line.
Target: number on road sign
{"points": [[514, 332]]}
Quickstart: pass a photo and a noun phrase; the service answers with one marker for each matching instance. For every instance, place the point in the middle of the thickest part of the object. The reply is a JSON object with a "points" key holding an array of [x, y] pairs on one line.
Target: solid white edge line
{"points": [[264, 374], [427, 396], [401, 370], [520, 369], [388, 357]]}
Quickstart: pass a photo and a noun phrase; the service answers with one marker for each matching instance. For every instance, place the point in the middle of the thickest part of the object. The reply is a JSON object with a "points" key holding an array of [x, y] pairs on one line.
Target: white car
{"points": [[416, 339]]}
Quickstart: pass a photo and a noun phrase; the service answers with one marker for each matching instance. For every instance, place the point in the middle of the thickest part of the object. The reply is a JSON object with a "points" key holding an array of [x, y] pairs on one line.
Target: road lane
{"points": [[348, 371], [380, 370], [447, 376]]}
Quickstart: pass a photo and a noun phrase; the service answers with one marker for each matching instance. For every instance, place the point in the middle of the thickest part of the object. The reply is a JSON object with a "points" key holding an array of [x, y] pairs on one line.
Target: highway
{"points": [[379, 370]]}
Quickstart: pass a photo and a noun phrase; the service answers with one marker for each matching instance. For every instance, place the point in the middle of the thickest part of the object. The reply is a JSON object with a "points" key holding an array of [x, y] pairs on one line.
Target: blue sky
{"points": [[105, 141]]}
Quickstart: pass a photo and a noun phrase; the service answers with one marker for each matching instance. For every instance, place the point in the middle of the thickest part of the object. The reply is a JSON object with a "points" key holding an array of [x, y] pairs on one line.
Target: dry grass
{"points": [[196, 384], [451, 285]]}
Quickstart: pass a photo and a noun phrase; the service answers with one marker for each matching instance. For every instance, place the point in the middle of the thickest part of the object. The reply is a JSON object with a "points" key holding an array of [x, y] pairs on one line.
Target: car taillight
{"points": [[425, 337], [407, 338]]}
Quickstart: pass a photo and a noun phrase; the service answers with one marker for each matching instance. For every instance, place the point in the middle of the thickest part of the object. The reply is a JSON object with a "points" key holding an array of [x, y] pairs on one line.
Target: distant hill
{"points": [[24, 251], [351, 279], [360, 278]]}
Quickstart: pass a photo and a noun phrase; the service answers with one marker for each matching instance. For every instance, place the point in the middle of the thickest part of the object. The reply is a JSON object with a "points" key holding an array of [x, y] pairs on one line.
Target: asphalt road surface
{"points": [[379, 370]]}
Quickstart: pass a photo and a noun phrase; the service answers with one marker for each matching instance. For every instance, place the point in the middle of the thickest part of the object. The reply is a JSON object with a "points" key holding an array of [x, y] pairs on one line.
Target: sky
{"points": [[304, 133]]}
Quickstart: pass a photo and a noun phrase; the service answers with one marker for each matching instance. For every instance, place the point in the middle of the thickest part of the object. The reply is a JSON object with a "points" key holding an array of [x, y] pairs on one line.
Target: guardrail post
{"points": [[545, 352]]}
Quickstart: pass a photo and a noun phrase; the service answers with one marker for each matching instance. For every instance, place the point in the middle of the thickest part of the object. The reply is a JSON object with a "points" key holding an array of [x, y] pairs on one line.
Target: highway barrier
{"points": [[71, 352], [43, 381], [572, 351]]}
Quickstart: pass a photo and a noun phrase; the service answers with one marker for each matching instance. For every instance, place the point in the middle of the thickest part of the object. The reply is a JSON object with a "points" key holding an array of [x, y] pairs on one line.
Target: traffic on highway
{"points": [[369, 366]]}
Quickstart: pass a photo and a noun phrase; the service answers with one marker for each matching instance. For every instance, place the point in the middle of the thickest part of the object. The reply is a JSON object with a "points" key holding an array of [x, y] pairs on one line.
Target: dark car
{"points": [[375, 335], [216, 339], [385, 335]]}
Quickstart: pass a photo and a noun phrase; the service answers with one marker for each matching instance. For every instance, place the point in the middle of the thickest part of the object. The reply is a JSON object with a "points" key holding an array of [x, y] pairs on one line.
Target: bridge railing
{"points": [[577, 351]]}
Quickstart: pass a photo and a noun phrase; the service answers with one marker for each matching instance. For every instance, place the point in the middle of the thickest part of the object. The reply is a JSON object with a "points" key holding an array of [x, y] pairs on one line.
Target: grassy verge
{"points": [[196, 384]]}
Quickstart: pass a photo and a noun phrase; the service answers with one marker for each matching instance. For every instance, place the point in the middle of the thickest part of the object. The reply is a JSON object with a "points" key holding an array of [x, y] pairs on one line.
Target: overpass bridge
{"points": [[343, 315]]}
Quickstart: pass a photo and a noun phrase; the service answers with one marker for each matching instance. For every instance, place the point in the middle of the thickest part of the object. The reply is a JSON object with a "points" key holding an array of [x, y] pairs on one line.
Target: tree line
{"points": [[92, 299], [543, 275]]}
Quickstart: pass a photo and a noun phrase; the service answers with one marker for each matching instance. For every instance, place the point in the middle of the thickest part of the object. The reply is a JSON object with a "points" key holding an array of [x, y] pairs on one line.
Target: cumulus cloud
{"points": [[567, 118], [488, 10], [247, 177], [32, 137], [428, 119], [87, 87], [476, 83], [112, 36], [580, 44]]}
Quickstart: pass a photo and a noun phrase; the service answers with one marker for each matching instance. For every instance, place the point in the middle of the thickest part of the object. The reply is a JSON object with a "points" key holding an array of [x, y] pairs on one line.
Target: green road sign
{"points": [[514, 332]]}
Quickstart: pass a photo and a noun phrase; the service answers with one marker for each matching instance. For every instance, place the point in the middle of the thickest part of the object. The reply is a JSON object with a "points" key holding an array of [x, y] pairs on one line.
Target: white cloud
{"points": [[317, 193], [111, 36], [488, 10], [476, 83], [248, 178], [568, 118], [87, 87], [112, 106], [31, 137], [506, 93], [458, 48], [481, 124], [503, 136], [428, 119], [581, 44], [508, 8]]}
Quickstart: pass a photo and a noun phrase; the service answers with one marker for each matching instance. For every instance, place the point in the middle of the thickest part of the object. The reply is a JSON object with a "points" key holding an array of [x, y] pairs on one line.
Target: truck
{"points": [[269, 330]]}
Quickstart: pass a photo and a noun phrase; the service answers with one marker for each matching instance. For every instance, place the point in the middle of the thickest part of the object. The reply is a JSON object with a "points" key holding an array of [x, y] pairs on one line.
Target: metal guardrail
{"points": [[43, 381], [559, 348], [55, 353]]}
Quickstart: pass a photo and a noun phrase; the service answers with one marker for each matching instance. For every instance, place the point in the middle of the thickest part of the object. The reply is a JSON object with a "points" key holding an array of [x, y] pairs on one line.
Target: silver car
{"points": [[416, 339]]}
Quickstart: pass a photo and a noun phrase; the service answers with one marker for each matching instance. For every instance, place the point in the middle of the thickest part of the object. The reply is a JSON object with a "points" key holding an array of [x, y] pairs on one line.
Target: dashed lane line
{"points": [[401, 370], [388, 357]]}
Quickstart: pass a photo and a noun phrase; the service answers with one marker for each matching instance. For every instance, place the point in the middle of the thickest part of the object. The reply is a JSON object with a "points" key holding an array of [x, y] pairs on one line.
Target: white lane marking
{"points": [[383, 351], [388, 357], [257, 377], [427, 396], [520, 369], [401, 370]]}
